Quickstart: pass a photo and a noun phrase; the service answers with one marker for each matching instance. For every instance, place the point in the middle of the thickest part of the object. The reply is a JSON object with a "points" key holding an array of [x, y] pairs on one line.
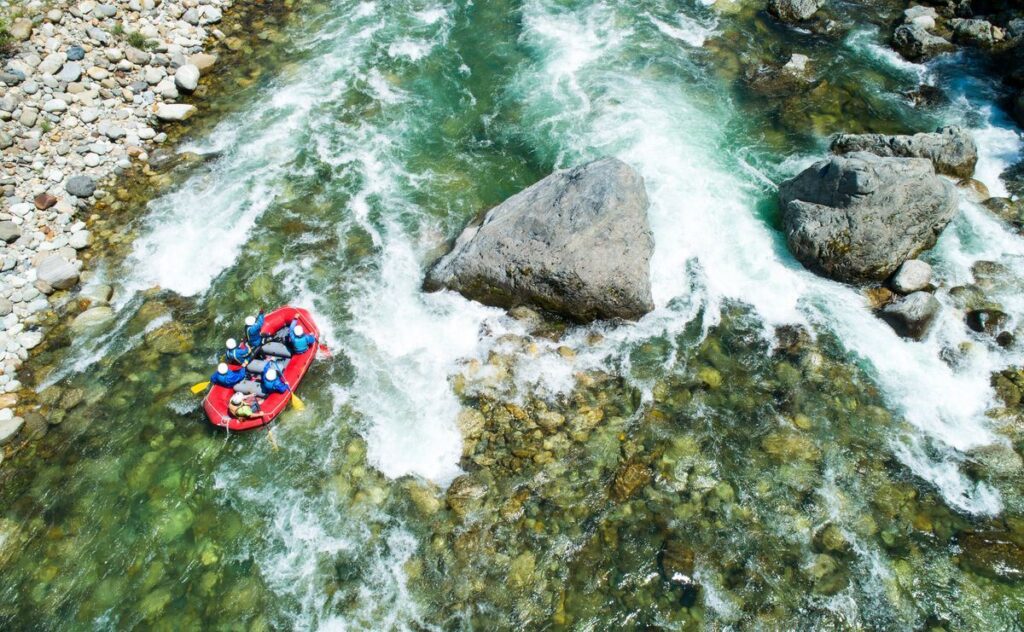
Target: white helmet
{"points": [[237, 398], [271, 374], [231, 343], [222, 368], [299, 330], [250, 321]]}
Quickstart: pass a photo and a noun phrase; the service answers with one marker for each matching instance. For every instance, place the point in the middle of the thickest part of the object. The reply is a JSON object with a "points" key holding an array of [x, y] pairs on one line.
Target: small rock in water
{"points": [[912, 276], [987, 321], [912, 316], [80, 186], [9, 427], [92, 319], [794, 10]]}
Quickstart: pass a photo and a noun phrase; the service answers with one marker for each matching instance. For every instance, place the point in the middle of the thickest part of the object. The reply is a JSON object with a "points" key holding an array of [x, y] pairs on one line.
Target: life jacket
{"points": [[299, 344], [238, 355], [253, 335], [229, 379], [273, 386]]}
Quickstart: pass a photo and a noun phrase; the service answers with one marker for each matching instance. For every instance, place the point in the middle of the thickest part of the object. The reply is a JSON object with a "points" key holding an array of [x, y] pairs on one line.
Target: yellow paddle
{"points": [[200, 387], [297, 403]]}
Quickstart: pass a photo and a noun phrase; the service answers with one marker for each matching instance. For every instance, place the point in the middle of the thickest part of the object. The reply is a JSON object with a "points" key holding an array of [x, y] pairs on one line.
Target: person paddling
{"points": [[226, 377], [254, 330], [271, 380], [237, 353], [298, 340]]}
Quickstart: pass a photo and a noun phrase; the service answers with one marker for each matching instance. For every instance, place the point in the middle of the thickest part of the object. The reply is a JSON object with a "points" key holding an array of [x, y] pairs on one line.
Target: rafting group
{"points": [[256, 379]]}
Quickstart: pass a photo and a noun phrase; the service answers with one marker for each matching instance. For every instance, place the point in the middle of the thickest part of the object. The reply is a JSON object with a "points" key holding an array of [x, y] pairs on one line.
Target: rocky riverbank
{"points": [[88, 90]]}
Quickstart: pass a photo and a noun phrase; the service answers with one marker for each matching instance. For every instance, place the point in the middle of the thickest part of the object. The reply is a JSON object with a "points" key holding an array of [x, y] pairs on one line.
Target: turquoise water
{"points": [[711, 466]]}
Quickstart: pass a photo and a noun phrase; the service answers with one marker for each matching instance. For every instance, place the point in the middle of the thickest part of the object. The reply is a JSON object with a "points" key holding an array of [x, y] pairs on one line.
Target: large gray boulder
{"points": [[577, 243], [794, 10], [856, 218], [952, 150]]}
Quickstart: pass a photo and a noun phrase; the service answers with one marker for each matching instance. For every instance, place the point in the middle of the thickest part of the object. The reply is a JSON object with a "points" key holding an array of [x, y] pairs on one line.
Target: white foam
{"points": [[410, 49], [689, 31]]}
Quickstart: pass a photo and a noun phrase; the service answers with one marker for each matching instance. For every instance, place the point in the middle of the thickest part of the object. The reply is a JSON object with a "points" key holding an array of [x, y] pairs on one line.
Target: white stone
{"points": [[187, 77], [55, 105], [174, 111], [154, 74], [9, 425], [80, 239], [913, 275], [88, 115]]}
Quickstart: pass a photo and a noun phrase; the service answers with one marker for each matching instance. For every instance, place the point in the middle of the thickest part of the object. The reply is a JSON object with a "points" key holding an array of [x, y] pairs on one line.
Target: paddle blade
{"points": [[297, 403], [200, 387]]}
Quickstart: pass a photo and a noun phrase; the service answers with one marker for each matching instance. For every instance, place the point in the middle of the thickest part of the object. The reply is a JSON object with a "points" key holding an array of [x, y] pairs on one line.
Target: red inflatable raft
{"points": [[295, 367]]}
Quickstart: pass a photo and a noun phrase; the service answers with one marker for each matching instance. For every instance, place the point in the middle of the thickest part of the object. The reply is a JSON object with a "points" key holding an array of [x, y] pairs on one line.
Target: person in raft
{"points": [[254, 330], [237, 353], [244, 407], [298, 340], [226, 377], [271, 380]]}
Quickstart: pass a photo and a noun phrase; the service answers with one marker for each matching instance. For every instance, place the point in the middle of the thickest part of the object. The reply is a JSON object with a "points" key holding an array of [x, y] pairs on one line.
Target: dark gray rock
{"points": [[76, 53], [577, 243], [81, 186], [915, 43], [952, 150], [976, 33], [912, 316], [794, 10], [9, 232], [856, 218]]}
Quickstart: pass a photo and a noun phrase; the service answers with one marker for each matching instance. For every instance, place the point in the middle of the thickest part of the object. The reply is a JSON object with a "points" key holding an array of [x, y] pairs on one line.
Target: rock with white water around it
{"points": [[174, 111], [856, 218], [976, 32], [9, 427], [912, 316], [80, 186], [952, 150], [9, 232], [186, 78], [913, 275], [922, 16], [577, 243], [914, 42], [57, 272], [794, 10]]}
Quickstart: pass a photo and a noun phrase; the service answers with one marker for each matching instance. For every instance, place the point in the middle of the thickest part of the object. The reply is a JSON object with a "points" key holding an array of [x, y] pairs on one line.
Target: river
{"points": [[827, 480]]}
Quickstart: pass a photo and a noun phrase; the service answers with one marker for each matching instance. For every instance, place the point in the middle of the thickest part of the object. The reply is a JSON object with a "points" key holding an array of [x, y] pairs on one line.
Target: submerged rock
{"points": [[993, 554], [856, 218], [577, 243], [952, 150], [631, 478], [912, 316], [794, 10]]}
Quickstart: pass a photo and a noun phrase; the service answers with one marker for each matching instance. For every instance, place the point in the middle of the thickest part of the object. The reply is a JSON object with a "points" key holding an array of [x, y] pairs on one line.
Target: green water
{"points": [[758, 453]]}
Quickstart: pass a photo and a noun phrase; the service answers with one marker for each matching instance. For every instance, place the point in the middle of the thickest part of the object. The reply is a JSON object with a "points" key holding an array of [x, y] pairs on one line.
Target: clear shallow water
{"points": [[824, 484]]}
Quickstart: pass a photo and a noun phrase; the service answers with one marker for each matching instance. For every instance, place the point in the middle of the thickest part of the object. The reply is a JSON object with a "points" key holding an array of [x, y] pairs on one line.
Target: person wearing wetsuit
{"points": [[226, 377]]}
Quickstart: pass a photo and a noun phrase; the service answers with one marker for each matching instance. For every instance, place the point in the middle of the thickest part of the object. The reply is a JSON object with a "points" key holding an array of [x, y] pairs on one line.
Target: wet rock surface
{"points": [[550, 246], [951, 150], [857, 218]]}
